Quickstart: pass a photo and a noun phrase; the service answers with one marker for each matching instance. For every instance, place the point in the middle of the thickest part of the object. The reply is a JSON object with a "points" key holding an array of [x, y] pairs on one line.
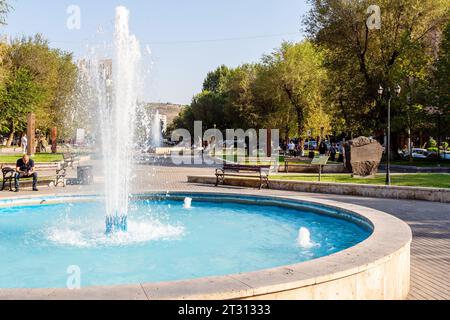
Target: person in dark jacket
{"points": [[25, 169], [333, 152], [323, 148]]}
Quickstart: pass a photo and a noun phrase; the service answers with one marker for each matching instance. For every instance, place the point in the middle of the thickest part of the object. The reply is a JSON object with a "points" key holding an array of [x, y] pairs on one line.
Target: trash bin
{"points": [[85, 175]]}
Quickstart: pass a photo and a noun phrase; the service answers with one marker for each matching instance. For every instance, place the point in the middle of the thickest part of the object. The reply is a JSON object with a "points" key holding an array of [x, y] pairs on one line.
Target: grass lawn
{"points": [[435, 180], [39, 157], [421, 163]]}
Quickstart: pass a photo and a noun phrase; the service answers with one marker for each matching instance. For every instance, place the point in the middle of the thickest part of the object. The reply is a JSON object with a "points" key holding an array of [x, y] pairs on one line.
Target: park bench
{"points": [[247, 171], [59, 178], [294, 160], [70, 159], [61, 174], [8, 176]]}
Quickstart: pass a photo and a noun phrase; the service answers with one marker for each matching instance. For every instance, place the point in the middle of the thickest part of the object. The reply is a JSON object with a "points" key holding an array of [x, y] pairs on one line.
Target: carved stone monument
{"points": [[54, 138], [31, 134], [363, 156]]}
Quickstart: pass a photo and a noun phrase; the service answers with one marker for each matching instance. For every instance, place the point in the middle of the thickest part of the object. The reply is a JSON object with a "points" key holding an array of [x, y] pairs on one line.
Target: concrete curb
{"points": [[362, 190]]}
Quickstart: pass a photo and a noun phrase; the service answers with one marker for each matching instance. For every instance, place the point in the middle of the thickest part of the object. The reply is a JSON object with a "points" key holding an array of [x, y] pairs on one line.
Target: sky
{"points": [[181, 40]]}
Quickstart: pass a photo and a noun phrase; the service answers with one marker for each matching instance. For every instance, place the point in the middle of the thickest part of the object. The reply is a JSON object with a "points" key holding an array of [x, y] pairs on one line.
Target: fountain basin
{"points": [[377, 267]]}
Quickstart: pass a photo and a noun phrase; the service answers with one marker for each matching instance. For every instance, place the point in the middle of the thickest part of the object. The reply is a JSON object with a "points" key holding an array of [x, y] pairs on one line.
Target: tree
{"points": [[209, 107], [215, 80], [52, 71], [439, 93], [20, 97], [285, 91], [4, 64], [299, 78], [239, 89], [5, 8], [360, 59], [272, 105], [63, 105]]}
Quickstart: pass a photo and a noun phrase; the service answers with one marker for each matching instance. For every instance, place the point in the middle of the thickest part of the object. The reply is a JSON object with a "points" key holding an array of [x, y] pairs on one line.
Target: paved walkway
{"points": [[430, 222]]}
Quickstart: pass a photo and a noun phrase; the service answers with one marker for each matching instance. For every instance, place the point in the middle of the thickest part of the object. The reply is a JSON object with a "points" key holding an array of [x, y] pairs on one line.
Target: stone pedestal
{"points": [[363, 156]]}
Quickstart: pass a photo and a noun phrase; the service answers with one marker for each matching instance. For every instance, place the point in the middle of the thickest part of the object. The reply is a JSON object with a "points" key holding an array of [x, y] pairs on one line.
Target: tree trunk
{"points": [[301, 129], [299, 110], [11, 137]]}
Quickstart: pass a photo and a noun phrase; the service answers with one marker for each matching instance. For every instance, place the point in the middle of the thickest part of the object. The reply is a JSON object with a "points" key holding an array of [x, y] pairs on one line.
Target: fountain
{"points": [[225, 235], [117, 98], [156, 138], [304, 238], [187, 203]]}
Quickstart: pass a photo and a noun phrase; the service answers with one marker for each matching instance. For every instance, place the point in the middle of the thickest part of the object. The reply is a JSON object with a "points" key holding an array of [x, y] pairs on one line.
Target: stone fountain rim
{"points": [[390, 237]]}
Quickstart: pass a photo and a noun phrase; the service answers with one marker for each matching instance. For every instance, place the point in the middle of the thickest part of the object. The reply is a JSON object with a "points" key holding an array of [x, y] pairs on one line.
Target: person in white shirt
{"points": [[24, 143], [291, 147]]}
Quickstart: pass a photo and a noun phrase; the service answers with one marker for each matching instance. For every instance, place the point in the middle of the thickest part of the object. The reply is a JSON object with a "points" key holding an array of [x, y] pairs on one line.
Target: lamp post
{"points": [[397, 90]]}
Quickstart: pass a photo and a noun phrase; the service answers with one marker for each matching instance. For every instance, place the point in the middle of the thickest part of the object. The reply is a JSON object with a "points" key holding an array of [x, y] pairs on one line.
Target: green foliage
{"points": [[360, 59], [299, 79], [35, 78], [215, 80], [438, 91], [444, 145], [20, 97], [284, 91], [5, 8], [432, 143]]}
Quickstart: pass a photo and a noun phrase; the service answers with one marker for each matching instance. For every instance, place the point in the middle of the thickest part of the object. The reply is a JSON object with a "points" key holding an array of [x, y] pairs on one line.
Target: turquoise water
{"points": [[165, 242]]}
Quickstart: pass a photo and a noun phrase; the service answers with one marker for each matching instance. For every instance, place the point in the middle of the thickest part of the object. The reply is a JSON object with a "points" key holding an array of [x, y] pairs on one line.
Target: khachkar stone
{"points": [[54, 138], [31, 134], [363, 156]]}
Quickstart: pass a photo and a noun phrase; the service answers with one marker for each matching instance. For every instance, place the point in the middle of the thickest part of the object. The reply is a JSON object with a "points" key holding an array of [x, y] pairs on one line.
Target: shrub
{"points": [[445, 145], [432, 143]]}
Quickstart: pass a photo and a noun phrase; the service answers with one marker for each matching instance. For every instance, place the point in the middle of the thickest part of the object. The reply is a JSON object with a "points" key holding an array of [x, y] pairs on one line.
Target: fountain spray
{"points": [[118, 123]]}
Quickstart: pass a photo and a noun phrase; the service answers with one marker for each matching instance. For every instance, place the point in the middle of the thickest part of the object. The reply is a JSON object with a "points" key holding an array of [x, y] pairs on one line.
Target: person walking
{"points": [[291, 147], [333, 152], [24, 143], [341, 151]]}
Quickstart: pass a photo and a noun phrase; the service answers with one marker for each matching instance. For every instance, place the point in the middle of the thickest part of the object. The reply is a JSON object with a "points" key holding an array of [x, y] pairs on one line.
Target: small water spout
{"points": [[188, 203], [304, 238]]}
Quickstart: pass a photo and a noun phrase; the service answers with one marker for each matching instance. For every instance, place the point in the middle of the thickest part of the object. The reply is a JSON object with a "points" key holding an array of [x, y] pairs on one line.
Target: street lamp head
{"points": [[398, 90], [380, 90]]}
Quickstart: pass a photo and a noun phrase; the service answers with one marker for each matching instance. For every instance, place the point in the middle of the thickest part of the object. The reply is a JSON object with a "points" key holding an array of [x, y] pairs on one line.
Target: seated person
{"points": [[25, 169]]}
